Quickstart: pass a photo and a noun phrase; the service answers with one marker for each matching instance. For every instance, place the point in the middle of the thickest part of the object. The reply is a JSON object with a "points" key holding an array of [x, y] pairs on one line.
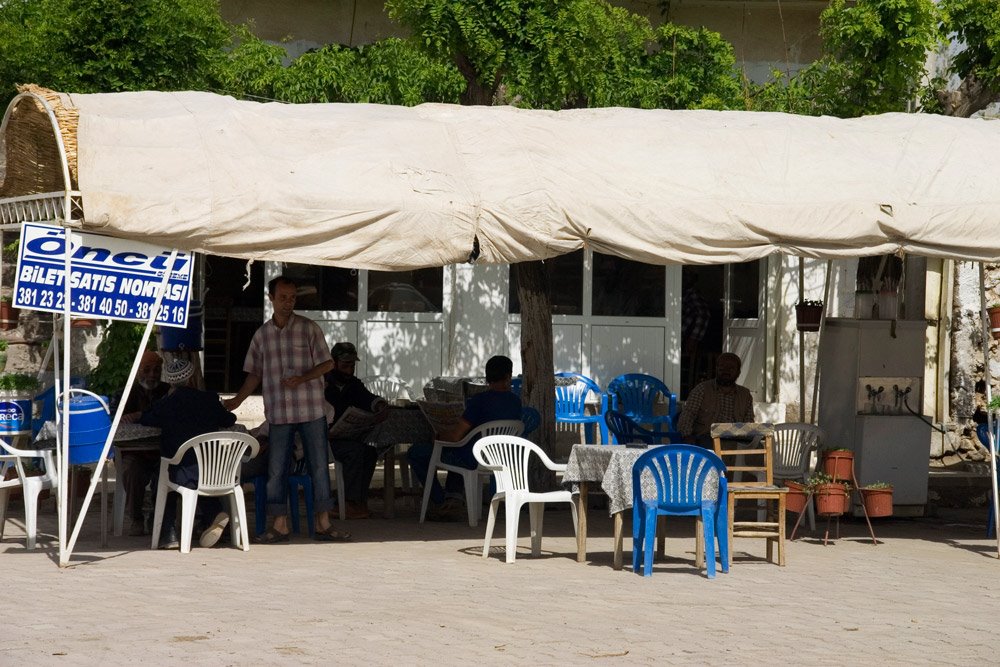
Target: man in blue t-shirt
{"points": [[497, 402]]}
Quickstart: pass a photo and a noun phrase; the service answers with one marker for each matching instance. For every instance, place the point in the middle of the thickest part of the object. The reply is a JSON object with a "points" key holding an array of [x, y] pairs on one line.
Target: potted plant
{"points": [[994, 312], [10, 251], [838, 463], [877, 498], [3, 354], [829, 494], [797, 496], [8, 314], [808, 314]]}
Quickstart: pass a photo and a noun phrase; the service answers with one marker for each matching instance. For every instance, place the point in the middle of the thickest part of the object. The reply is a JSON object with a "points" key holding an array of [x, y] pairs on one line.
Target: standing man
{"points": [[288, 356], [358, 459], [140, 468], [716, 401], [497, 403]]}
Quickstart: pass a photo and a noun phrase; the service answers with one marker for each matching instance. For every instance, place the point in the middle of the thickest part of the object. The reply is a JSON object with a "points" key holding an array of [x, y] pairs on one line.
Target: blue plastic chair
{"points": [[635, 394], [571, 404], [983, 431], [515, 385], [294, 482], [623, 430], [678, 476]]}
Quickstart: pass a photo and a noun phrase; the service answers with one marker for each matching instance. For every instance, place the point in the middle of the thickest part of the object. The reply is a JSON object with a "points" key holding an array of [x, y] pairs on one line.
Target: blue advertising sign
{"points": [[110, 278]]}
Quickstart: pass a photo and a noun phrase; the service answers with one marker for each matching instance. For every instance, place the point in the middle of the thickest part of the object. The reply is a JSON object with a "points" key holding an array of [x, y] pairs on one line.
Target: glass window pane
{"points": [[565, 283], [419, 291], [744, 290], [324, 287], [624, 288]]}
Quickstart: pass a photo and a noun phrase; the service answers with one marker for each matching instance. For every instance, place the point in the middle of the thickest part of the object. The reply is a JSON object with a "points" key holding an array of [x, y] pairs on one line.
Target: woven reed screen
{"points": [[32, 153]]}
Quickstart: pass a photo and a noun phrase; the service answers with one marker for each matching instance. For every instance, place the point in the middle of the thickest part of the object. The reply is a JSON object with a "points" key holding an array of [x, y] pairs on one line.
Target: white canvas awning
{"points": [[385, 187]]}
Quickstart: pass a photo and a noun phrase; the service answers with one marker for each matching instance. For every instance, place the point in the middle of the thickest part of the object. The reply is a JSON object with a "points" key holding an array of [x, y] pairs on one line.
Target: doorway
{"points": [[232, 315], [722, 309]]}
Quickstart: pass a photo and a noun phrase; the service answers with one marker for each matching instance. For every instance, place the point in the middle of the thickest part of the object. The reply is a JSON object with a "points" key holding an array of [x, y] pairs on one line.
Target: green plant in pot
{"points": [[838, 463], [3, 354], [877, 499], [116, 352], [830, 495], [10, 250]]}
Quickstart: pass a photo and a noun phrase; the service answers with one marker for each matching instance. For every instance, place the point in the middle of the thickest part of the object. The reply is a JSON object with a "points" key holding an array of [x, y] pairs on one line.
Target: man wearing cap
{"points": [[139, 468], [186, 412], [288, 357], [358, 460]]}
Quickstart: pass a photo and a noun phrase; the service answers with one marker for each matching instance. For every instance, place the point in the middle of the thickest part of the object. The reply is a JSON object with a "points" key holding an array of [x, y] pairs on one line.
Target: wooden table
{"points": [[611, 466], [404, 425]]}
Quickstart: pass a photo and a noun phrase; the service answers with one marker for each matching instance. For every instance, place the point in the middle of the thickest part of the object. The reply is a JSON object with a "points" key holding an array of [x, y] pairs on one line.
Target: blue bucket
{"points": [[174, 339], [15, 414], [46, 411], [89, 425]]}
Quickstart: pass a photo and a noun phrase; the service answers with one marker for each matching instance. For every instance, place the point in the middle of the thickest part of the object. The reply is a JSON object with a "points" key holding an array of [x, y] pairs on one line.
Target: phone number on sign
{"points": [[100, 305]]}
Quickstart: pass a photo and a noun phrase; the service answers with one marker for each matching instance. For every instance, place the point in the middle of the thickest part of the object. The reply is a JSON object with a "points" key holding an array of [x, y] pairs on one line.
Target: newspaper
{"points": [[441, 416], [353, 424]]}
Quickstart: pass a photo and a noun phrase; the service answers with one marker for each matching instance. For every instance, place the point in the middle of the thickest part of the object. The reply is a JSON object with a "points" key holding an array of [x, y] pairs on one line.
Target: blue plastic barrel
{"points": [[89, 425], [15, 413], [174, 339]]}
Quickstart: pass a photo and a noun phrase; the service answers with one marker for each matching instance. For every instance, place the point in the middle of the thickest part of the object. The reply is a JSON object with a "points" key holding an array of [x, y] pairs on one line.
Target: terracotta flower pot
{"points": [[8, 316], [839, 464], [807, 317], [795, 499], [830, 498], [994, 314], [878, 502]]}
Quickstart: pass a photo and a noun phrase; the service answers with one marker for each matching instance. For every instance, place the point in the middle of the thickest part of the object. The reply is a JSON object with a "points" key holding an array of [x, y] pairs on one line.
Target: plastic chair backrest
{"points": [[219, 456], [636, 393], [515, 385], [571, 400], [793, 448], [531, 419], [498, 427], [625, 430], [510, 453], [983, 432], [679, 473], [389, 388]]}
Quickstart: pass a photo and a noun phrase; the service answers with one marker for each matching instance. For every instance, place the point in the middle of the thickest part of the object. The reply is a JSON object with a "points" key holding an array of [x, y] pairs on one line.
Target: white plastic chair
{"points": [[507, 456], [794, 445], [31, 487], [473, 479], [389, 388], [219, 456]]}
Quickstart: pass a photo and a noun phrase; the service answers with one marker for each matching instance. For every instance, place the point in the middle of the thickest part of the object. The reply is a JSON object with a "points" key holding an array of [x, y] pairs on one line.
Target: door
{"points": [[744, 306]]}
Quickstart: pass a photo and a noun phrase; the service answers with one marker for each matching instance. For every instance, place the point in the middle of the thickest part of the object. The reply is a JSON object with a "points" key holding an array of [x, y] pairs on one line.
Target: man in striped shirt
{"points": [[288, 357]]}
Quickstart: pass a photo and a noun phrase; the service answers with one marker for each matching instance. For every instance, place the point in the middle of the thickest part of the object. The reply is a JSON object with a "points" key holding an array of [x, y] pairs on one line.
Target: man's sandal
{"points": [[272, 537], [332, 535]]}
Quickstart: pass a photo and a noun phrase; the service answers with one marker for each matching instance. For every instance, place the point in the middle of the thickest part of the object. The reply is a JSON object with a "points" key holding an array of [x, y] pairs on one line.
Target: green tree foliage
{"points": [[392, 71], [875, 52], [576, 53], [976, 23], [109, 45]]}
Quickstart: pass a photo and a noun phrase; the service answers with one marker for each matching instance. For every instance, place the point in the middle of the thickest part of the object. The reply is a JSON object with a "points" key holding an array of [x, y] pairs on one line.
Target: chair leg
{"points": [[341, 503], [781, 530], [491, 521], [238, 517], [431, 472], [510, 525], [293, 503], [708, 528], [536, 517], [638, 531], [160, 504], [573, 510], [118, 504], [30, 493], [473, 508], [307, 493], [260, 504], [990, 520], [649, 541], [4, 495], [722, 534], [189, 503]]}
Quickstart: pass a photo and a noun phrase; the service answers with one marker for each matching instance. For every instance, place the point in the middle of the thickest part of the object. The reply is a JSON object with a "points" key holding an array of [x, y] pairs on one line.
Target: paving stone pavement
{"points": [[402, 593]]}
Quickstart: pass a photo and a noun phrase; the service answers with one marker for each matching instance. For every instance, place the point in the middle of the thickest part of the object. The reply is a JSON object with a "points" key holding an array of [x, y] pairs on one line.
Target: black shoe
{"points": [[168, 538]]}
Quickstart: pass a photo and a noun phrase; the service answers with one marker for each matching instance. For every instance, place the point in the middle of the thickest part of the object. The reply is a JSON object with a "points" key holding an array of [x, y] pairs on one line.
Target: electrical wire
{"points": [[919, 416]]}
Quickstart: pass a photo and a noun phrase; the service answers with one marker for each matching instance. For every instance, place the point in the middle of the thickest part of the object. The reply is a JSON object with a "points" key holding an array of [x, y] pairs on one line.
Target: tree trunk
{"points": [[538, 386]]}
